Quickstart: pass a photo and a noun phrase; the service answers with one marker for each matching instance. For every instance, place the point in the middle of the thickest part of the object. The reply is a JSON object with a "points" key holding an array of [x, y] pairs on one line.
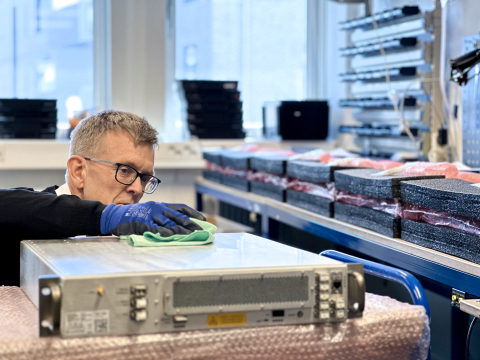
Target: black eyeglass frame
{"points": [[135, 178]]}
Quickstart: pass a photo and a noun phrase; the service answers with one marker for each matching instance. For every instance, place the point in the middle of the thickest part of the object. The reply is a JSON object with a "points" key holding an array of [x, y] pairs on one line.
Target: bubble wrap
{"points": [[389, 206], [388, 330], [440, 218], [268, 178], [324, 190]]}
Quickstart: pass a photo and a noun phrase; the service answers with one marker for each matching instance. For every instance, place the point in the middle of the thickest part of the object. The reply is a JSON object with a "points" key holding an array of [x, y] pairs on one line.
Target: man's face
{"points": [[99, 179]]}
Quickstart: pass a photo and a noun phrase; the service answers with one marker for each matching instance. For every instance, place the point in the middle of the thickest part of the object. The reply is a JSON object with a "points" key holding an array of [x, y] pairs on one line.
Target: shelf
{"points": [[434, 265]]}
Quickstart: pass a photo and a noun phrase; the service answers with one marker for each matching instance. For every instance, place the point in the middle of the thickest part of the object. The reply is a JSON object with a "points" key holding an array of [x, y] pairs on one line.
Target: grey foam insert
{"points": [[453, 196], [374, 220], [214, 156], [312, 171], [361, 181], [237, 183], [213, 176], [440, 238], [272, 164], [237, 159], [314, 203], [268, 190]]}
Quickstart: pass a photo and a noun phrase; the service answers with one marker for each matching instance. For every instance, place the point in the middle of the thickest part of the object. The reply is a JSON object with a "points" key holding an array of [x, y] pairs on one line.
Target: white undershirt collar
{"points": [[63, 190]]}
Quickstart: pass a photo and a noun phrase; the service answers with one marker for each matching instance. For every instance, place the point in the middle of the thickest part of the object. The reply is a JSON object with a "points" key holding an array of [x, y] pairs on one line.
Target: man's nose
{"points": [[136, 186]]}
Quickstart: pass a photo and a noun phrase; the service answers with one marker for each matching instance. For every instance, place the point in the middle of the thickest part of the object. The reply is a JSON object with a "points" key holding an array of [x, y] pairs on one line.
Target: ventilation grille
{"points": [[240, 291]]}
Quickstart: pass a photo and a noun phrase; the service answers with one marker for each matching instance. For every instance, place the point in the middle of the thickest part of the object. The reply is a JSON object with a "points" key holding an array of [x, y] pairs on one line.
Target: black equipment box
{"points": [[28, 119], [297, 120]]}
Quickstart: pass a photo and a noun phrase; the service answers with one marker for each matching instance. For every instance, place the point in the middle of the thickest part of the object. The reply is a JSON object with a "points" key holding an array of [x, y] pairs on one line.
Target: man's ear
{"points": [[77, 171]]}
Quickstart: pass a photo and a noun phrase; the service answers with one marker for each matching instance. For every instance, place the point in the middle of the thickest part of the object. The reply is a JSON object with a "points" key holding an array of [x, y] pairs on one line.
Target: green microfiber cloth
{"points": [[198, 237]]}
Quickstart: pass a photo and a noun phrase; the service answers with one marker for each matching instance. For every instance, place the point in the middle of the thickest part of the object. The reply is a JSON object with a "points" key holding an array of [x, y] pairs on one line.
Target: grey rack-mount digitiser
{"points": [[100, 286]]}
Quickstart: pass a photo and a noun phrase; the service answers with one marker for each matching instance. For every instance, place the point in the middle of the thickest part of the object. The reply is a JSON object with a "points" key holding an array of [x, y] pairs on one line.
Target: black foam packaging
{"points": [[314, 203], [362, 181], [444, 239], [213, 176], [213, 156], [268, 190], [274, 164], [237, 159], [453, 196], [313, 171], [236, 182], [375, 220]]}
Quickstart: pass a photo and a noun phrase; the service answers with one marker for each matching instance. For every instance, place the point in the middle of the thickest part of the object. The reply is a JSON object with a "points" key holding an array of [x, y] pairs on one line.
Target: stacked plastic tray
{"points": [[28, 119], [214, 109]]}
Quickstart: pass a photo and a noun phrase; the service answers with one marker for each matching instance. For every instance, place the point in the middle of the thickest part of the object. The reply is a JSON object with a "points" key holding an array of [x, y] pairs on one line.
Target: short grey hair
{"points": [[87, 135]]}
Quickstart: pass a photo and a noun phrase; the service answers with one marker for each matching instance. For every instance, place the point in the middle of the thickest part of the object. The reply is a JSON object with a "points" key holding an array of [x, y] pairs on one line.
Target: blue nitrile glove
{"points": [[162, 218]]}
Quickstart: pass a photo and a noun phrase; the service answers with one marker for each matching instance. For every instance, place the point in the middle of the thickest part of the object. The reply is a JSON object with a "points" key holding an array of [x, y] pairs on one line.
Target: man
{"points": [[110, 167]]}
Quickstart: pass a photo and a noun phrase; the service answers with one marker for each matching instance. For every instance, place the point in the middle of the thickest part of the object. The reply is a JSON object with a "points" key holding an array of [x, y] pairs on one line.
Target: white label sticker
{"points": [[87, 322]]}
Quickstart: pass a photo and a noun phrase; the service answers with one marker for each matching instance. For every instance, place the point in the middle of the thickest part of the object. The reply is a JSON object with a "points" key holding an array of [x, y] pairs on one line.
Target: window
{"points": [[47, 52], [260, 43]]}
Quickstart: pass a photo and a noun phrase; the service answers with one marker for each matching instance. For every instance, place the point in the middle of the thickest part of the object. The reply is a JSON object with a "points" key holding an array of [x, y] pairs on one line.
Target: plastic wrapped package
{"points": [[439, 218], [423, 169], [316, 155], [269, 185], [468, 176], [389, 206], [453, 196], [276, 180], [389, 329], [253, 148], [214, 172], [214, 167], [240, 173], [327, 158], [237, 178], [325, 190], [371, 164]]}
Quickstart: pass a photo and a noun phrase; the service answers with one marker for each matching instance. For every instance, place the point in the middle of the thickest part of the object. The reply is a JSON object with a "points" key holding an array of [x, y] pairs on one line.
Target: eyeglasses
{"points": [[126, 175]]}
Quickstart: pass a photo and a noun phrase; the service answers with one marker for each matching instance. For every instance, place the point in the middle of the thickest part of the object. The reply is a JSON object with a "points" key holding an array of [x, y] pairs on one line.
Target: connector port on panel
{"points": [[139, 303], [138, 315], [138, 290], [278, 313]]}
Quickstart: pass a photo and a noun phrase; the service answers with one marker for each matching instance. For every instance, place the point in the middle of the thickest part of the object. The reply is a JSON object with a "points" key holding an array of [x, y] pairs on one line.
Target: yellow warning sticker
{"points": [[232, 319]]}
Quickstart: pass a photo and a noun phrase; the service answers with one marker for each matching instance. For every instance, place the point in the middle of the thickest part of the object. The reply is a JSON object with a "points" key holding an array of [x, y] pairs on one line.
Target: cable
{"points": [[407, 88], [469, 334]]}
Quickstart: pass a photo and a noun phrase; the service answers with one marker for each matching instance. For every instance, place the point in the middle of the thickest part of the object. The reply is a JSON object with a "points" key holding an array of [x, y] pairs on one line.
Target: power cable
{"points": [[469, 334]]}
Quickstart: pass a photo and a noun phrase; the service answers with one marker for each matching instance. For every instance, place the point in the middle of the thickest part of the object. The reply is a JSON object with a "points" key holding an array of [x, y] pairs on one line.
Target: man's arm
{"points": [[28, 214]]}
